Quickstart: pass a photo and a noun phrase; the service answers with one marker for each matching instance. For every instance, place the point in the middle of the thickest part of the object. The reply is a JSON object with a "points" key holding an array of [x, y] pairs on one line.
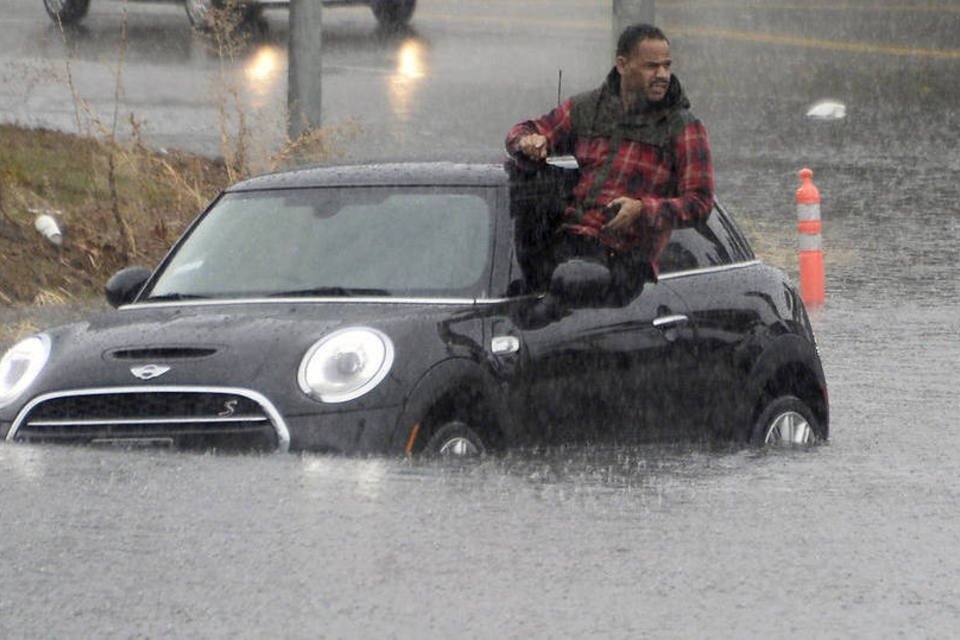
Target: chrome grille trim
{"points": [[273, 415], [123, 421]]}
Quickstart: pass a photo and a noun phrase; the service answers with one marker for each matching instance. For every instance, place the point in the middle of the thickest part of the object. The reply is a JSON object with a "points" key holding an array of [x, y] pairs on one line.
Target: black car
{"points": [[389, 13], [402, 308]]}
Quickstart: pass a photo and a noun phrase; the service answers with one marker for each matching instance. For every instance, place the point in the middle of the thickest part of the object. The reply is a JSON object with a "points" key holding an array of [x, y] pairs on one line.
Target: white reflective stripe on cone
{"points": [[808, 212], [808, 242]]}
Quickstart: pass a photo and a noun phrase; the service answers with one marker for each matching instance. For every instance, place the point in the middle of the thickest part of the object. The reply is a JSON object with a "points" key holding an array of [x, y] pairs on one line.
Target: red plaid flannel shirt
{"points": [[641, 171]]}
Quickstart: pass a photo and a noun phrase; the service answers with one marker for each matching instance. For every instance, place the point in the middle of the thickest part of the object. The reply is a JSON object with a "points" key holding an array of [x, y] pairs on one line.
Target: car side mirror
{"points": [[124, 285], [580, 283]]}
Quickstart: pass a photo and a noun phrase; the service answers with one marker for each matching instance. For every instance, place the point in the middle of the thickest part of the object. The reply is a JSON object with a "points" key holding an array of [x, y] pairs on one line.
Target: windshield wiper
{"points": [[341, 292]]}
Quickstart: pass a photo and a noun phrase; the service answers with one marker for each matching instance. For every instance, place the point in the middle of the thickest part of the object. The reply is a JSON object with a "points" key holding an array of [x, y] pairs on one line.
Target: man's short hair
{"points": [[635, 33]]}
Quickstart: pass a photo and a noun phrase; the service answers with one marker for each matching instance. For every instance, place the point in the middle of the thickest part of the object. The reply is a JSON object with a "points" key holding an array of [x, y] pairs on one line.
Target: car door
{"points": [[710, 267], [602, 373]]}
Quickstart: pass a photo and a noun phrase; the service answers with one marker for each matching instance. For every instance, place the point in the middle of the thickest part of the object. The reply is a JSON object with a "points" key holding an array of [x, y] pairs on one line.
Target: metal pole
{"points": [[627, 12], [304, 74]]}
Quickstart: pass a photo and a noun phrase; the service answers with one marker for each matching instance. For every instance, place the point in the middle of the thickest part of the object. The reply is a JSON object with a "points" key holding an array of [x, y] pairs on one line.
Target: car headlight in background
{"points": [[346, 364], [21, 365]]}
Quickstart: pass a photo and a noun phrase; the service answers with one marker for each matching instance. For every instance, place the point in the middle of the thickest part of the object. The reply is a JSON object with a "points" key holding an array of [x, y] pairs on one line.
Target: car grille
{"points": [[185, 418]]}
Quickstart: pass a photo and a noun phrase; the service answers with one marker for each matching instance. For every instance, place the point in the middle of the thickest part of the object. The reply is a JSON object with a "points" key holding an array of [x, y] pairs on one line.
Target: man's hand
{"points": [[534, 146], [627, 218]]}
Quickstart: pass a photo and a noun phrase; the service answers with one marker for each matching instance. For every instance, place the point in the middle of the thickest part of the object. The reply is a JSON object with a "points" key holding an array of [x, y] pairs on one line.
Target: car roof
{"points": [[380, 174]]}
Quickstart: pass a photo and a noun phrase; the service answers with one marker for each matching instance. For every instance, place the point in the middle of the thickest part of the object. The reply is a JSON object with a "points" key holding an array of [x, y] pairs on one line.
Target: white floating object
{"points": [[827, 110], [47, 225]]}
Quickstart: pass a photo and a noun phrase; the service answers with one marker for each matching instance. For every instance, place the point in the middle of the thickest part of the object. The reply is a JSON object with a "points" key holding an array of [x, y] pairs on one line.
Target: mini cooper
{"points": [[400, 308]]}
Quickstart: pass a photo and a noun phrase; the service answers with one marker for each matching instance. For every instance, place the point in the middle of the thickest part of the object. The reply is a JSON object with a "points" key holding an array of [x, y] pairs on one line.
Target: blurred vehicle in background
{"points": [[389, 13]]}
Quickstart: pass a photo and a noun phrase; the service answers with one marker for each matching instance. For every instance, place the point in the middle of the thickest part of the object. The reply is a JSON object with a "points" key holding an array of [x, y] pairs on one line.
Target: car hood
{"points": [[245, 344]]}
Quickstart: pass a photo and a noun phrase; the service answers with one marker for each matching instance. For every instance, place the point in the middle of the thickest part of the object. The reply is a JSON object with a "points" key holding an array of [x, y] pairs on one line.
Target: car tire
{"points": [[66, 12], [392, 14], [455, 440], [198, 11], [786, 421]]}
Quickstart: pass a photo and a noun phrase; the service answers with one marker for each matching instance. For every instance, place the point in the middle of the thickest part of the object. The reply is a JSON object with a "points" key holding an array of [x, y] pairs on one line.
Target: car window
{"points": [[385, 241], [731, 236], [707, 244]]}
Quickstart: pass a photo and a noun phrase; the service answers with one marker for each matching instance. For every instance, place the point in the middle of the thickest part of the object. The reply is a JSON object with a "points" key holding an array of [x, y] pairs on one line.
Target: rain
{"points": [[855, 537]]}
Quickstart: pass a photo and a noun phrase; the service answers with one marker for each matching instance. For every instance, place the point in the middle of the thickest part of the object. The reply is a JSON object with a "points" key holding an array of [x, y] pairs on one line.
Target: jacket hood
{"points": [[600, 112], [676, 97]]}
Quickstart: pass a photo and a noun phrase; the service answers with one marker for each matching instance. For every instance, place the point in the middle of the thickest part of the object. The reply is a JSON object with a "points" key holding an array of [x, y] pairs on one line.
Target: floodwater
{"points": [[856, 537]]}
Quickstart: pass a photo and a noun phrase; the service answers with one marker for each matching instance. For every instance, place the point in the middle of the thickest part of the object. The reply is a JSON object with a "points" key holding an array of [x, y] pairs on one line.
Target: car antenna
{"points": [[559, 84]]}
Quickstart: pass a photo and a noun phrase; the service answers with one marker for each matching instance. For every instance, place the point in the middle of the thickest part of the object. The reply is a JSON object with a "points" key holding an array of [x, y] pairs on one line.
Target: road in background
{"points": [[855, 538], [463, 73], [452, 84]]}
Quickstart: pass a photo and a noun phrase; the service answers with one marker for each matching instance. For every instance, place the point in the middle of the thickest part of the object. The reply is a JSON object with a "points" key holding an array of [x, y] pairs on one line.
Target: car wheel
{"points": [[66, 11], [393, 13], [455, 440], [198, 11], [786, 421]]}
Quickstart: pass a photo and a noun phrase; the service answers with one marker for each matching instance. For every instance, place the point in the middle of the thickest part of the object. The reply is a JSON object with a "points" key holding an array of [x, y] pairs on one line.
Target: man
{"points": [[645, 164]]}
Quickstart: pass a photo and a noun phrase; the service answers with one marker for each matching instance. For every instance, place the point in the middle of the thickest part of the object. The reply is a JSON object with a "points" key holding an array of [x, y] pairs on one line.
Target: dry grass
{"points": [[157, 195], [12, 332]]}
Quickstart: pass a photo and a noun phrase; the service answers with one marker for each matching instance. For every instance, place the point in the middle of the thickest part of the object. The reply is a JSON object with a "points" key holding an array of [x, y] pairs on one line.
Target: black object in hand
{"points": [[612, 210]]}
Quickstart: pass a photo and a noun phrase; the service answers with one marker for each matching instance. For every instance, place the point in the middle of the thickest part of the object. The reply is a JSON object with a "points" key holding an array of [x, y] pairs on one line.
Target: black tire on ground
{"points": [[66, 12], [455, 440], [198, 11], [392, 14], [786, 420]]}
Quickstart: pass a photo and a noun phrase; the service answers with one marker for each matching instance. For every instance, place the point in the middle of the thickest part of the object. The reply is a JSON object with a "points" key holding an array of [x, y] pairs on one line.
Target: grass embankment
{"points": [[121, 205]]}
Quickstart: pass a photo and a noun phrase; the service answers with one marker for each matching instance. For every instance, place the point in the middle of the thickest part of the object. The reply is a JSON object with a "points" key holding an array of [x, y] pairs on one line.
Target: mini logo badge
{"points": [[149, 371]]}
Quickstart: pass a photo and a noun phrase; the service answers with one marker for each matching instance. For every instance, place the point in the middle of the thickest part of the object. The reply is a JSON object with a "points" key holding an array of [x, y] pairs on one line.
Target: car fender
{"points": [[445, 380], [789, 363]]}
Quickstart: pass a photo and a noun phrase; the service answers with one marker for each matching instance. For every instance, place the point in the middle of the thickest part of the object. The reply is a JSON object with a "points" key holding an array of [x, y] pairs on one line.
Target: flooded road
{"points": [[853, 538], [850, 538]]}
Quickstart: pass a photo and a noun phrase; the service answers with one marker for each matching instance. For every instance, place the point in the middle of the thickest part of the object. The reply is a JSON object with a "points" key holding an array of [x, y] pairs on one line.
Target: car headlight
{"points": [[21, 365], [346, 364]]}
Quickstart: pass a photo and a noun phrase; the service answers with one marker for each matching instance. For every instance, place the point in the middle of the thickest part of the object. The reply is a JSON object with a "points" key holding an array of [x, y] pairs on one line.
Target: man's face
{"points": [[646, 71]]}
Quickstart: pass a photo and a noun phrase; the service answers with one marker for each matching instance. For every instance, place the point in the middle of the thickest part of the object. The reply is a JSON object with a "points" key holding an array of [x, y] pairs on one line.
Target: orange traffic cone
{"points": [[810, 243]]}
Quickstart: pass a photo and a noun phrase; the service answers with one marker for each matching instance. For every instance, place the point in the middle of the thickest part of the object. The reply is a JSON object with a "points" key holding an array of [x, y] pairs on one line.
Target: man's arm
{"points": [[536, 139]]}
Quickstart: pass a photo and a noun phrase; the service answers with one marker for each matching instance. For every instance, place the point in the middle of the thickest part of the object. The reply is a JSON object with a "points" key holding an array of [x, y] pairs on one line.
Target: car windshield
{"points": [[345, 241]]}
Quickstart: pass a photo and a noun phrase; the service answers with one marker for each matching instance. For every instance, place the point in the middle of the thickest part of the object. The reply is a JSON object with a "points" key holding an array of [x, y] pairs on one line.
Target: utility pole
{"points": [[627, 12], [304, 75]]}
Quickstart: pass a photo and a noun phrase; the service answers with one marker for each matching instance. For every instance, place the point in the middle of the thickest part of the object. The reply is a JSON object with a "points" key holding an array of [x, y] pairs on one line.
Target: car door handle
{"points": [[504, 345], [669, 322]]}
